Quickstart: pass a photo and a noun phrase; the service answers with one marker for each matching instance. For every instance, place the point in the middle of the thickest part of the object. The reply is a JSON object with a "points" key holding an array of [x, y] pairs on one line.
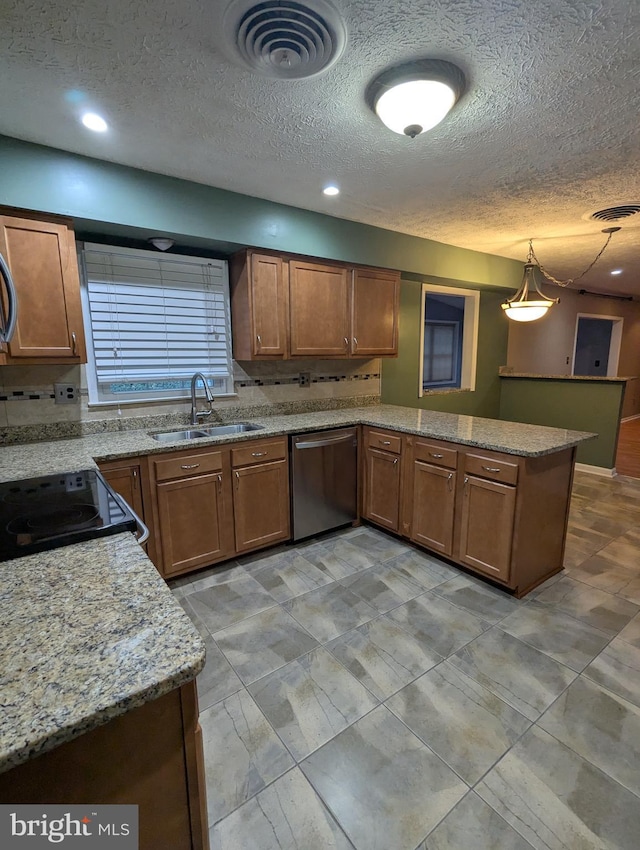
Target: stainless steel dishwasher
{"points": [[324, 472]]}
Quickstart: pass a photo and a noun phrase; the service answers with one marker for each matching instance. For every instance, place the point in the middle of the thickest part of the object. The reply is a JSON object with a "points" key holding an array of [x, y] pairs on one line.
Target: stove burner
{"points": [[58, 520]]}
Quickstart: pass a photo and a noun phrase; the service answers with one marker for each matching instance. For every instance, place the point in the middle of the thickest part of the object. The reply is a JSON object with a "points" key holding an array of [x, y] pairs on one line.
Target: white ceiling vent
{"points": [[616, 213], [286, 40]]}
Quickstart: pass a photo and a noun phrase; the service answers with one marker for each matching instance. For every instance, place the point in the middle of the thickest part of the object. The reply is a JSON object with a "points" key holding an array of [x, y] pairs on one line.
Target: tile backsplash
{"points": [[28, 410]]}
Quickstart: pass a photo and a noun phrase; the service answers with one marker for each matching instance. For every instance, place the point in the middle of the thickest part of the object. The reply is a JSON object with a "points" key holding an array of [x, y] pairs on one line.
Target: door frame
{"points": [[614, 346]]}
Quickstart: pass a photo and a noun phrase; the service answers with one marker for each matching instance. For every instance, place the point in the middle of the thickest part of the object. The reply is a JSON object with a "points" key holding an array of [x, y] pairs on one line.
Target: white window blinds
{"points": [[156, 317]]}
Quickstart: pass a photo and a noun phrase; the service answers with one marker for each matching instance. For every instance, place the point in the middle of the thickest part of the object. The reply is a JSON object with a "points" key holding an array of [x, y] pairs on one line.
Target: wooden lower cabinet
{"points": [[502, 516], [261, 505], [382, 488], [486, 526], [151, 757], [211, 504], [193, 517], [433, 507]]}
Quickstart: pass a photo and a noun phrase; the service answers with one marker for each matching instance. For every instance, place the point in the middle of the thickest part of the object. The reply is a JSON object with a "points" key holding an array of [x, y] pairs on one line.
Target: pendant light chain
{"points": [[532, 254]]}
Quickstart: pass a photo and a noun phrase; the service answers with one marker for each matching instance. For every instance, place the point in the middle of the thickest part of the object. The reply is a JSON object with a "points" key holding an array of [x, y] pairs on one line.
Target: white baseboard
{"points": [[630, 418], [596, 470]]}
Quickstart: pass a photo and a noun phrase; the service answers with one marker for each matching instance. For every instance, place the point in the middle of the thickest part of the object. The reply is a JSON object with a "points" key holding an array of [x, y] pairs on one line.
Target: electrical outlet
{"points": [[65, 393], [305, 379]]}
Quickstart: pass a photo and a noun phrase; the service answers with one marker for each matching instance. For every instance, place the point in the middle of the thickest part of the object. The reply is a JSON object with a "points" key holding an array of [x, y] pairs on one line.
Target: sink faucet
{"points": [[195, 413]]}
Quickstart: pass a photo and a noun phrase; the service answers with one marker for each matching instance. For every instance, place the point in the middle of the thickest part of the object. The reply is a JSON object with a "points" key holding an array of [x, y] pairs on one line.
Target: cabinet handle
{"points": [[395, 460], [491, 468], [385, 442], [237, 480], [189, 465], [355, 342], [259, 338], [259, 454], [449, 480], [466, 481], [220, 483], [346, 342], [433, 454], [74, 344]]}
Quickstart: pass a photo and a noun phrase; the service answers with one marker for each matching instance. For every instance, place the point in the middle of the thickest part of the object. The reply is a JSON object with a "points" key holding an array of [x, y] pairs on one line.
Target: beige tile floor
{"points": [[359, 693]]}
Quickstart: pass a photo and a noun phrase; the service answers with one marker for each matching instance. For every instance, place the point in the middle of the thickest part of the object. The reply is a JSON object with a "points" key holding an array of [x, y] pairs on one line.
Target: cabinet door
{"points": [[382, 488], [319, 310], [261, 505], [268, 306], [434, 493], [42, 259], [486, 526], [193, 522], [374, 305], [125, 480]]}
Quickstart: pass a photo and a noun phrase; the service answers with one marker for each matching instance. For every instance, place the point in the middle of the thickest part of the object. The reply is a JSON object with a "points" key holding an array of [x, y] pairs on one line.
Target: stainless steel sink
{"points": [[198, 433], [238, 428], [171, 436]]}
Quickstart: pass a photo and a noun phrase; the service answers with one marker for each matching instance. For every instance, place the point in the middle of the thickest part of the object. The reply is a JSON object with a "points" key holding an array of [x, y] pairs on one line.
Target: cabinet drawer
{"points": [[438, 455], [491, 468], [258, 452], [185, 465], [386, 442]]}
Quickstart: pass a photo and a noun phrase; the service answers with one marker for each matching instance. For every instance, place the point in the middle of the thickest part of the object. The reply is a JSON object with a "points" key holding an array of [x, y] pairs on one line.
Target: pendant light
{"points": [[529, 303], [412, 98]]}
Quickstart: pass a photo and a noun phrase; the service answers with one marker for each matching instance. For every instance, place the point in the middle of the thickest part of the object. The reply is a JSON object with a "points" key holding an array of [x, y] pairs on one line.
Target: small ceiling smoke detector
{"points": [[285, 39], [162, 243]]}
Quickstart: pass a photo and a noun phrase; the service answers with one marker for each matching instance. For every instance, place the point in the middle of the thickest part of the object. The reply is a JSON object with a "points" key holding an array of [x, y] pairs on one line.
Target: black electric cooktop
{"points": [[37, 514]]}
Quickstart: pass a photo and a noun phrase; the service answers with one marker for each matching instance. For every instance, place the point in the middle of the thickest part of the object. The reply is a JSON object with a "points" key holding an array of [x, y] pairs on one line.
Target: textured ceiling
{"points": [[547, 132]]}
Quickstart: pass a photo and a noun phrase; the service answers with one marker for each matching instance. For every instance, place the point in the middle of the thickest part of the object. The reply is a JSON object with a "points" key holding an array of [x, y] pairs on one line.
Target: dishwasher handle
{"points": [[330, 441]]}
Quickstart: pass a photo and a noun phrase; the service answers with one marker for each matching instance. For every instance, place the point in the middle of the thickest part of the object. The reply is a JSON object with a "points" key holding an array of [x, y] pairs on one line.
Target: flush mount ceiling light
{"points": [[162, 243], [529, 303], [412, 98], [331, 190], [94, 122]]}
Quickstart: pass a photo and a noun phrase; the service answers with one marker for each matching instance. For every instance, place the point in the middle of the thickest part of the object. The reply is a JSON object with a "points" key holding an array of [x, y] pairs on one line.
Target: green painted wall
{"points": [[578, 405], [400, 376], [116, 200]]}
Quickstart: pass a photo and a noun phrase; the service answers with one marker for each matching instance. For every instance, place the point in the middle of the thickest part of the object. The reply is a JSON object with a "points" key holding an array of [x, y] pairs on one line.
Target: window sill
{"points": [[445, 391], [145, 401]]}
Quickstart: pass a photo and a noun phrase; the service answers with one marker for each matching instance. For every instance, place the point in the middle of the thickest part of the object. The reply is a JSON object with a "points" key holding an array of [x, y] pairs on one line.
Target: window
{"points": [[154, 320], [448, 338]]}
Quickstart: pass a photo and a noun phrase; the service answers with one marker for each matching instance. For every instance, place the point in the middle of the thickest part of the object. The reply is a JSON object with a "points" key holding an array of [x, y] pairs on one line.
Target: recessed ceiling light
{"points": [[617, 271], [94, 122], [331, 190]]}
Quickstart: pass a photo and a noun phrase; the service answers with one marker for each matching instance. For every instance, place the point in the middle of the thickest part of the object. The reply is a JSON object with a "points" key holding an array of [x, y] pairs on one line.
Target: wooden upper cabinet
{"points": [[259, 311], [41, 255], [375, 296], [284, 306], [319, 310]]}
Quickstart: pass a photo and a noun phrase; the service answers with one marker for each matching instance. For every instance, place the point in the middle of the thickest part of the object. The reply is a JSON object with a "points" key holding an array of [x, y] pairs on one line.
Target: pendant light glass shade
{"points": [[415, 107], [528, 304]]}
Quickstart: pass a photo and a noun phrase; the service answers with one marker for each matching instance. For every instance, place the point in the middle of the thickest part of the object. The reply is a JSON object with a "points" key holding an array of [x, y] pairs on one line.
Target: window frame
{"points": [[221, 387], [469, 337]]}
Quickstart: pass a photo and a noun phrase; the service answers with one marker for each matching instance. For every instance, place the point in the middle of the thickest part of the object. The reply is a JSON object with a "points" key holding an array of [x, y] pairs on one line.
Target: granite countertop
{"points": [[90, 631], [613, 380], [31, 459]]}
